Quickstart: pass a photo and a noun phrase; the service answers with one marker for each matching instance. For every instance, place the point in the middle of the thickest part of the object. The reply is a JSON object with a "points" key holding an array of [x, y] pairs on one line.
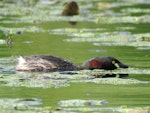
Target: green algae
{"points": [[79, 102], [28, 105], [111, 39], [21, 30], [121, 109], [119, 29], [21, 105], [114, 81], [64, 79]]}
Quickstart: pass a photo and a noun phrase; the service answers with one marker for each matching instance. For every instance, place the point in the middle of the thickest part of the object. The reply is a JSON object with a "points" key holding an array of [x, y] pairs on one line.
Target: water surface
{"points": [[114, 28]]}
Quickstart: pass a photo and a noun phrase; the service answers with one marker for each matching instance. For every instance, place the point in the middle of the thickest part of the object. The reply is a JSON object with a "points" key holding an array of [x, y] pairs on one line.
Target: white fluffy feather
{"points": [[21, 60]]}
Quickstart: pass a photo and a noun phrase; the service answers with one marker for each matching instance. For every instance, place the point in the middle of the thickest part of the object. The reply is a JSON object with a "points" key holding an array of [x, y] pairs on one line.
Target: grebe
{"points": [[107, 63], [51, 64], [71, 9], [44, 63]]}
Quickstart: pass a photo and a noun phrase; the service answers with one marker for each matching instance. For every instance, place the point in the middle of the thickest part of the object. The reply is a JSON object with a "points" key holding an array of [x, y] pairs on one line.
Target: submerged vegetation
{"points": [[102, 28]]}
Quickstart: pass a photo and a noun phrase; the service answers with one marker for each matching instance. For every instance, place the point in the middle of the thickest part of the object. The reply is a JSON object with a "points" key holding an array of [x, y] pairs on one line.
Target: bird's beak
{"points": [[123, 65]]}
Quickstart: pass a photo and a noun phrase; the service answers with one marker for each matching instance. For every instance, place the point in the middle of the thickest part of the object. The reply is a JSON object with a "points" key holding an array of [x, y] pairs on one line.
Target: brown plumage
{"points": [[44, 63], [107, 63], [71, 9], [51, 63]]}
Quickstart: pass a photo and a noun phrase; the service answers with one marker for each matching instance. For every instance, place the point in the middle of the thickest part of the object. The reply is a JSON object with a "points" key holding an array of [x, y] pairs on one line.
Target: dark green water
{"points": [[115, 28]]}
